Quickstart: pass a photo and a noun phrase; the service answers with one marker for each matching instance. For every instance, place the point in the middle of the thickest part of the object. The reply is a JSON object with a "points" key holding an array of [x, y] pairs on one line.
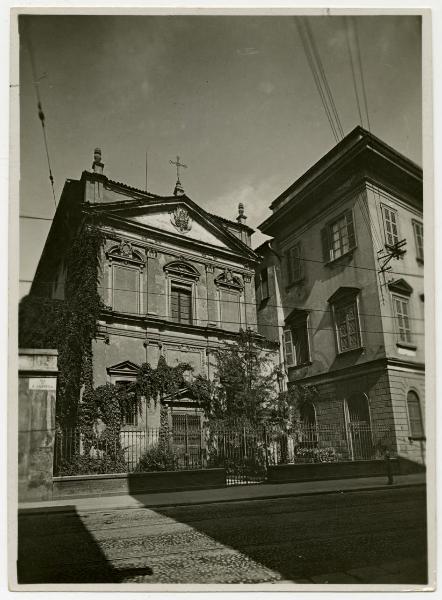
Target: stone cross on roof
{"points": [[178, 191]]}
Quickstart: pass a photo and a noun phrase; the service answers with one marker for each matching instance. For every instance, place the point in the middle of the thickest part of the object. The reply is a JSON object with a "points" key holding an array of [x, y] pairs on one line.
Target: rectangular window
{"points": [[262, 286], [295, 265], [296, 343], [181, 304], [390, 226], [418, 228], [300, 341], [338, 237], [401, 311], [347, 325], [129, 411], [126, 291], [230, 310]]}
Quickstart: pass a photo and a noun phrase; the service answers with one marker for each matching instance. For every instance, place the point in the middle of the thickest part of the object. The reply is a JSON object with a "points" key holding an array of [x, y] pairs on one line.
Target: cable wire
{"points": [[364, 92], [323, 76], [242, 303], [350, 53], [41, 114], [312, 66]]}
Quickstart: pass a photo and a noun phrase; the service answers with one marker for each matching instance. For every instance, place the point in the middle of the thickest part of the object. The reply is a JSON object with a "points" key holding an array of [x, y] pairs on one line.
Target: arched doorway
{"points": [[357, 416]]}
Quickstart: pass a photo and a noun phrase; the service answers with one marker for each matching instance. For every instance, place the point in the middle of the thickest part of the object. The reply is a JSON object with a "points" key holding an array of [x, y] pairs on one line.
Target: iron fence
{"points": [[244, 452]]}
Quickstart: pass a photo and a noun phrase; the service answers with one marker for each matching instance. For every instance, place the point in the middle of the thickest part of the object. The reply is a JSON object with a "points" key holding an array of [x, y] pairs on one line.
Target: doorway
{"points": [[357, 416]]}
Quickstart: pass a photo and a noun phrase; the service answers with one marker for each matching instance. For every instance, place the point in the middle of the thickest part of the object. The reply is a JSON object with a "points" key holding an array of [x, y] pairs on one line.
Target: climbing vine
{"points": [[69, 325]]}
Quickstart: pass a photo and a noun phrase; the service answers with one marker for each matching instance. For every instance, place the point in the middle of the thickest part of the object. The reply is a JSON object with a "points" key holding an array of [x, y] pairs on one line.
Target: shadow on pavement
{"points": [[303, 537], [56, 547]]}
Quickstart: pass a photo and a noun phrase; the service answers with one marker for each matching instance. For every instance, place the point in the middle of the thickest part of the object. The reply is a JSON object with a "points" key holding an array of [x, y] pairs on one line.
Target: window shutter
{"points": [[325, 238], [288, 347], [350, 229]]}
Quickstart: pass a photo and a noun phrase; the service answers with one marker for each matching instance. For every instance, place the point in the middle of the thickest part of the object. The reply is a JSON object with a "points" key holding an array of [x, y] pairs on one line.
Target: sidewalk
{"points": [[225, 494]]}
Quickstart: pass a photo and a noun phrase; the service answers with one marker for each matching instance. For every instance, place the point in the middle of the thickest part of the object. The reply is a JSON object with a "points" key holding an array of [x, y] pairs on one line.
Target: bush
{"points": [[89, 465], [158, 458], [303, 454]]}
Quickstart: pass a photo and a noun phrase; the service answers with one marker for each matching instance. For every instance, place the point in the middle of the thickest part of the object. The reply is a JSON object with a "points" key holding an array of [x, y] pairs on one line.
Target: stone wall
{"points": [[36, 423]]}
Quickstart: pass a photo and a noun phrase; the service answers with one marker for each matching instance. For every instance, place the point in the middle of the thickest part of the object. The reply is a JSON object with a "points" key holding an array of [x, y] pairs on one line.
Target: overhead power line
{"points": [[319, 85], [350, 53], [243, 302], [41, 115], [364, 92], [36, 218], [323, 77]]}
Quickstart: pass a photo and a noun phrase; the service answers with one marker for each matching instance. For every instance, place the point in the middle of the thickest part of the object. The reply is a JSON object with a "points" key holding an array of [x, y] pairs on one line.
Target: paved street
{"points": [[363, 537]]}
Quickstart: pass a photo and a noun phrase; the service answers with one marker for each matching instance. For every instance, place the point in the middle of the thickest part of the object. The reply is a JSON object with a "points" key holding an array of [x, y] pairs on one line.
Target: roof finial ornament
{"points": [[179, 190], [241, 216], [97, 165]]}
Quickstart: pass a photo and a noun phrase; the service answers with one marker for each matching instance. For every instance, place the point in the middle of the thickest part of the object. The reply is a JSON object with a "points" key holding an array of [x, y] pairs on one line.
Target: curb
{"points": [[61, 509]]}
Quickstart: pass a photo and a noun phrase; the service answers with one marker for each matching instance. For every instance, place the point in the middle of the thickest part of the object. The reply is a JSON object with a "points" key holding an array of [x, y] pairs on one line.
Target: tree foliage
{"points": [[244, 385], [286, 409]]}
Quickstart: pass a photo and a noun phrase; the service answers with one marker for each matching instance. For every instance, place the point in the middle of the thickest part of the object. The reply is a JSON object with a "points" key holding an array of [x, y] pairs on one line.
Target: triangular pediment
{"points": [[124, 368], [182, 222], [400, 286], [179, 218]]}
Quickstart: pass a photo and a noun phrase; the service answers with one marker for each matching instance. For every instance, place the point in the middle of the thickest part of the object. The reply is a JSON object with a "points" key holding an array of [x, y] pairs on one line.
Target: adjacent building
{"points": [[341, 288]]}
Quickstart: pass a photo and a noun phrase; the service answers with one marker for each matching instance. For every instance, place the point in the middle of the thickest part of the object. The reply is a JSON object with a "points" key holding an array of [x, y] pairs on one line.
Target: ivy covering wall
{"points": [[68, 325]]}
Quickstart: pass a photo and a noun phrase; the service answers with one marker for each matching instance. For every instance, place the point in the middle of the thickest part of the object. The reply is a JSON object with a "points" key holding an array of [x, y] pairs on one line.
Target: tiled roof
{"points": [[230, 222], [134, 189]]}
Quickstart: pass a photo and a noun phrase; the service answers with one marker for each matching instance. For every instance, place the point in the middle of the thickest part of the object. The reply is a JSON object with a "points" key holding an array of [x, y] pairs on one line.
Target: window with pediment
{"points": [[126, 266], [182, 279], [229, 292]]}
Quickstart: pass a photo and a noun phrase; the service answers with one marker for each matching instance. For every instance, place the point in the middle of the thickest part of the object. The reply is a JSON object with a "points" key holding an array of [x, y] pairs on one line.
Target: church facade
{"points": [[176, 281]]}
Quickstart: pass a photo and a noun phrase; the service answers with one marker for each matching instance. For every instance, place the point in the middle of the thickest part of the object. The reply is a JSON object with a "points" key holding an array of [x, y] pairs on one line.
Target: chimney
{"points": [[241, 218], [97, 165]]}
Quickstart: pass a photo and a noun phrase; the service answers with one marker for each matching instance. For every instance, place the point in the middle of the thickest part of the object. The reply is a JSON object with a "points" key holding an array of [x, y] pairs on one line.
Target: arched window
{"points": [[414, 415], [308, 414]]}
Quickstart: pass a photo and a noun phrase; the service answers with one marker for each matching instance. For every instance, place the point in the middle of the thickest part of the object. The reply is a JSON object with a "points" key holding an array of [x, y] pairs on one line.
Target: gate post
{"points": [[36, 423]]}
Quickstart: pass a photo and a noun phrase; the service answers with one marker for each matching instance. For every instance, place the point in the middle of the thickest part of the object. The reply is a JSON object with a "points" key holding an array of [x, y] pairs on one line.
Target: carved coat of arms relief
{"points": [[181, 219]]}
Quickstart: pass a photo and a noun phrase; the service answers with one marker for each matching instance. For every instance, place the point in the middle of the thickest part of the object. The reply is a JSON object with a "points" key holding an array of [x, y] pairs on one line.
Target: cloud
{"points": [[247, 51]]}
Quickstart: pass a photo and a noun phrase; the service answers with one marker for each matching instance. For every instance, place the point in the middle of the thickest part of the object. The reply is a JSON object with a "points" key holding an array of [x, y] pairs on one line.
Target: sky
{"points": [[234, 97]]}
